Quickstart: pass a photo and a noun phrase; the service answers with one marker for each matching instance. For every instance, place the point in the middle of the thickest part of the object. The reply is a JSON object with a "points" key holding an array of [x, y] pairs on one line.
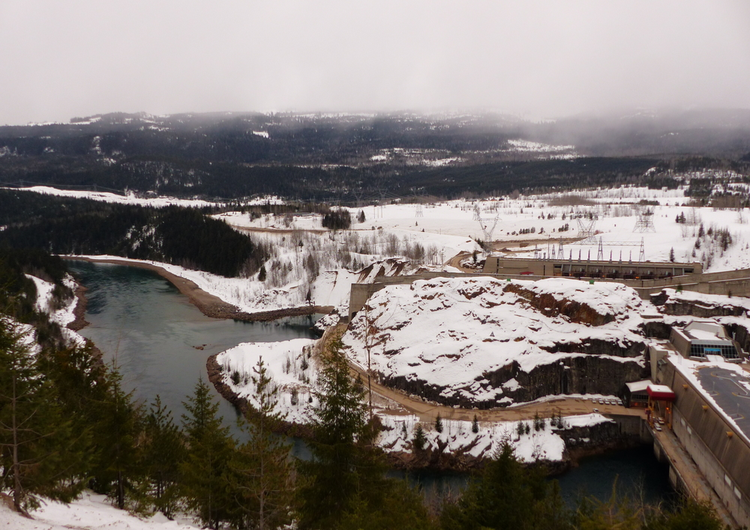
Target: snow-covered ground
{"points": [[458, 436], [455, 333], [130, 198], [291, 367], [289, 364], [60, 315], [90, 512], [451, 226], [309, 260]]}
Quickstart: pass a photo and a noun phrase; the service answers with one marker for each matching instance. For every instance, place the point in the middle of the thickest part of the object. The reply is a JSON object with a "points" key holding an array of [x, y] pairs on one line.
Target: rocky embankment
{"points": [[580, 442]]}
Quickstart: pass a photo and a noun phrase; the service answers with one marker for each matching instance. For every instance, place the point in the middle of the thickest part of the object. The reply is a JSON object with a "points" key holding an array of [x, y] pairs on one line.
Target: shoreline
{"points": [[209, 304], [428, 460]]}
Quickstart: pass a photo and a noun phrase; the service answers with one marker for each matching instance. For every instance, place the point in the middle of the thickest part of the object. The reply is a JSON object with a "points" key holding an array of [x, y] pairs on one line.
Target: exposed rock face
{"points": [[672, 302], [595, 439], [625, 348], [549, 305], [740, 333], [583, 374], [657, 329]]}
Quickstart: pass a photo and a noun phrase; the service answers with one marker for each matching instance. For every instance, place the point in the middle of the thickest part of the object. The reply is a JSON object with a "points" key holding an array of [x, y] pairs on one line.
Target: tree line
{"points": [[181, 236]]}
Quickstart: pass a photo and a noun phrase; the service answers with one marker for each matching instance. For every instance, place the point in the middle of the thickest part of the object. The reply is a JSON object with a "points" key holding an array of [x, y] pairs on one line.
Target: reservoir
{"points": [[161, 342]]}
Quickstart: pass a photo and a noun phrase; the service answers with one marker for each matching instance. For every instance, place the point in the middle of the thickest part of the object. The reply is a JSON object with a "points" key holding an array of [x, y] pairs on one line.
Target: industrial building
{"points": [[586, 268], [704, 337]]}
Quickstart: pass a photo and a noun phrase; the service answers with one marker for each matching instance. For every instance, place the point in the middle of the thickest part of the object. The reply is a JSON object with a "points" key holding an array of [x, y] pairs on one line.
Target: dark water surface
{"points": [[161, 342], [637, 473]]}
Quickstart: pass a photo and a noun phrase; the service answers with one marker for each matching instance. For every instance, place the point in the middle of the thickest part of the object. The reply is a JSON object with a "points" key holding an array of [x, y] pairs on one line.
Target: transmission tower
{"points": [[642, 255], [600, 252], [586, 227], [645, 222], [488, 231], [419, 211]]}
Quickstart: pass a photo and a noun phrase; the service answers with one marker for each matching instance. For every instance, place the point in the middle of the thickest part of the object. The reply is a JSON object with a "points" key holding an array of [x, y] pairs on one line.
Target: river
{"points": [[161, 342]]}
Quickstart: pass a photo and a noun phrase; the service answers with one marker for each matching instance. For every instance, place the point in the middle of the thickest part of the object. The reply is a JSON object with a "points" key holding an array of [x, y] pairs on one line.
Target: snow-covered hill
{"points": [[485, 342]]}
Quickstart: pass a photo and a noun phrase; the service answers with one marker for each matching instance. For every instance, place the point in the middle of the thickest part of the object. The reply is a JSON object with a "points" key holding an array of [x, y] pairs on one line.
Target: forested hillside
{"points": [[175, 235], [362, 157]]}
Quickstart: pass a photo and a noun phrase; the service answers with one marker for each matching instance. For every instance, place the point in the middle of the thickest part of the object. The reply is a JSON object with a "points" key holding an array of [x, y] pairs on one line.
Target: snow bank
{"points": [[90, 512], [130, 198], [290, 366], [62, 316]]}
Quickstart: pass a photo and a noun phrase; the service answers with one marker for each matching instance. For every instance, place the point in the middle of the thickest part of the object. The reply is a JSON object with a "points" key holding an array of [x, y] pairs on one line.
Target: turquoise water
{"points": [[160, 340]]}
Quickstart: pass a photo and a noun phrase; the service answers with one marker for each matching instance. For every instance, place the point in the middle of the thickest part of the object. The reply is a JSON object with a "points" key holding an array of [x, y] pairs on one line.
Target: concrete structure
{"points": [[586, 268], [701, 338], [636, 393], [719, 447]]}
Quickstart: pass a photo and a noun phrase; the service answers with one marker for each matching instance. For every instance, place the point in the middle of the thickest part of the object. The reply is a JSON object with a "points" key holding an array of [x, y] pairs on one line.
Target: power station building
{"points": [[584, 268], [701, 338]]}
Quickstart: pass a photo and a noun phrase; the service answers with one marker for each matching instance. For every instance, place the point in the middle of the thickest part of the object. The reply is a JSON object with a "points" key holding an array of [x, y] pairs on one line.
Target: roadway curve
{"points": [[427, 411]]}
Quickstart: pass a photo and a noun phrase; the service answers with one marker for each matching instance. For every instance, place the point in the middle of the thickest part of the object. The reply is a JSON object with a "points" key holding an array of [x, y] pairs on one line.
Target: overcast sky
{"points": [[66, 58]]}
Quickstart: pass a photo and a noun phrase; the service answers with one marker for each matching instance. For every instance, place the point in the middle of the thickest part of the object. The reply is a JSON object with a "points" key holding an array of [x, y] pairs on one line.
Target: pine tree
{"points": [[37, 445], [419, 439], [259, 476], [438, 423], [209, 450], [163, 453], [341, 468], [475, 425], [119, 430], [507, 496], [82, 384]]}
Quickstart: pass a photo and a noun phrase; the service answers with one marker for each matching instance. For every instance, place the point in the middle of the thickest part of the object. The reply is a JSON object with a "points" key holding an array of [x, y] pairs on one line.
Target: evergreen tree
{"points": [[209, 450], [38, 452], [401, 507], [690, 515], [507, 496], [259, 475], [163, 453], [119, 429], [82, 384], [344, 470], [419, 439], [438, 423], [475, 425]]}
